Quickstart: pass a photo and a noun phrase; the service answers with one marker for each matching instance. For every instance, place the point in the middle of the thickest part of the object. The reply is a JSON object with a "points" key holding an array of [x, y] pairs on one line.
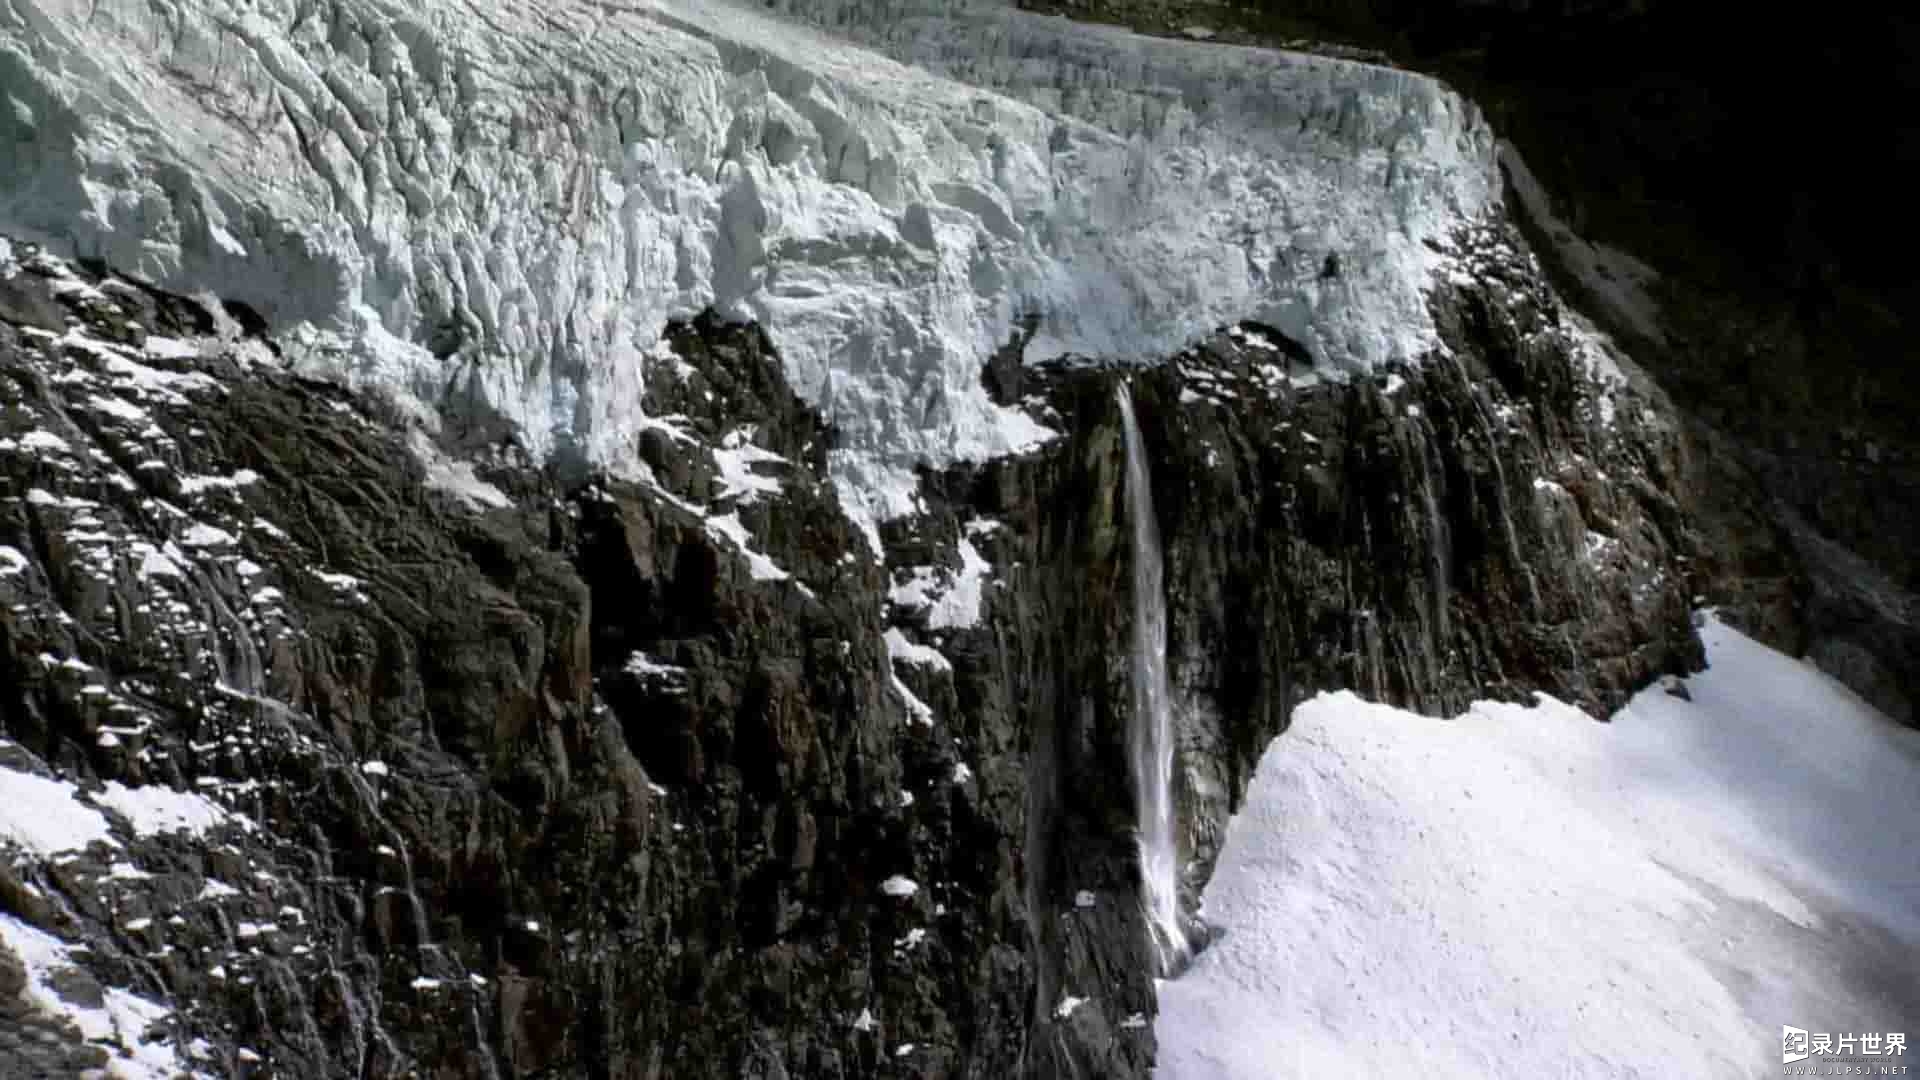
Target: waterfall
{"points": [[1150, 740]]}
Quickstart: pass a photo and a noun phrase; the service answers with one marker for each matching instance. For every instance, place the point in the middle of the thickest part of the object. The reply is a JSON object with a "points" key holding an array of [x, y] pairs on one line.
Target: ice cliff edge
{"points": [[492, 208]]}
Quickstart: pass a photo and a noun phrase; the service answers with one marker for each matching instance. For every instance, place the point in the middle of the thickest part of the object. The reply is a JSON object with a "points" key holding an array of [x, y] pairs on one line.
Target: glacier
{"points": [[488, 211]]}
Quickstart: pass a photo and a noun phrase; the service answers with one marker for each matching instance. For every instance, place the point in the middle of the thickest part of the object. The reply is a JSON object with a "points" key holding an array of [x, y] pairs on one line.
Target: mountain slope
{"points": [[1521, 886]]}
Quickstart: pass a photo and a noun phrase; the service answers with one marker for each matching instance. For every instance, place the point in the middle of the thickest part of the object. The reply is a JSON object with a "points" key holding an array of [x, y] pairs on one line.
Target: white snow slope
{"points": [[543, 184], [1524, 891]]}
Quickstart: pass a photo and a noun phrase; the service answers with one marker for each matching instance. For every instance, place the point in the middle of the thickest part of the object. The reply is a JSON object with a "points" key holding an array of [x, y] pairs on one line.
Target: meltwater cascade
{"points": [[1150, 740]]}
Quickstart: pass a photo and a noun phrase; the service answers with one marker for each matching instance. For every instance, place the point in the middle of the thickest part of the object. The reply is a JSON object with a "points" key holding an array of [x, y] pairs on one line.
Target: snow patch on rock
{"points": [[729, 529], [154, 809], [911, 652], [918, 711], [737, 458], [951, 599], [120, 1022], [454, 477], [44, 818]]}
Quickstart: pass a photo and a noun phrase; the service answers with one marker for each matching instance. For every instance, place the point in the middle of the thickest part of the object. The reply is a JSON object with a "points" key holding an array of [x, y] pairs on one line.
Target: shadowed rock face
{"points": [[524, 775], [571, 786]]}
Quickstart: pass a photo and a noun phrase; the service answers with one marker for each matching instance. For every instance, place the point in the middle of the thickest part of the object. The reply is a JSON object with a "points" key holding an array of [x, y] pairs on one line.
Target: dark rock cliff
{"points": [[516, 774]]}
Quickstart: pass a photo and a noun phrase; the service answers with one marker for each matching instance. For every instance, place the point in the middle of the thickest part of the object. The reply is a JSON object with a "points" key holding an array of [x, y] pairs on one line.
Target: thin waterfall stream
{"points": [[1150, 738]]}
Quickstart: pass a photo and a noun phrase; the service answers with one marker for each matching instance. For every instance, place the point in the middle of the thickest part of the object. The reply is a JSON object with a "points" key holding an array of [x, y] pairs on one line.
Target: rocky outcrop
{"points": [[376, 763], [479, 776]]}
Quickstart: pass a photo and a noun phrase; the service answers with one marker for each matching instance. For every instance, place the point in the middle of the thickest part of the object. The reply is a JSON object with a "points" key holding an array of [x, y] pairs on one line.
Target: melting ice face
{"points": [[534, 189]]}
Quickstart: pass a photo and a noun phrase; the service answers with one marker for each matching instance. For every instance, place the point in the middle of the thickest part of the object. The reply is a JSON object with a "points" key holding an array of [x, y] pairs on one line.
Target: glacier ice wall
{"points": [[492, 208]]}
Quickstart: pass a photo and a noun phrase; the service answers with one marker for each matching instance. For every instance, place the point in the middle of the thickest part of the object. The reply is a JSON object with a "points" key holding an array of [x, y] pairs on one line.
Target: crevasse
{"points": [[1150, 732], [491, 208]]}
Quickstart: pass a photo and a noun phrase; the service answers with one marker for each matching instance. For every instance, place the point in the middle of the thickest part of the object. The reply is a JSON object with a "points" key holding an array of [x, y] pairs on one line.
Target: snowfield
{"points": [[1523, 891], [492, 208]]}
